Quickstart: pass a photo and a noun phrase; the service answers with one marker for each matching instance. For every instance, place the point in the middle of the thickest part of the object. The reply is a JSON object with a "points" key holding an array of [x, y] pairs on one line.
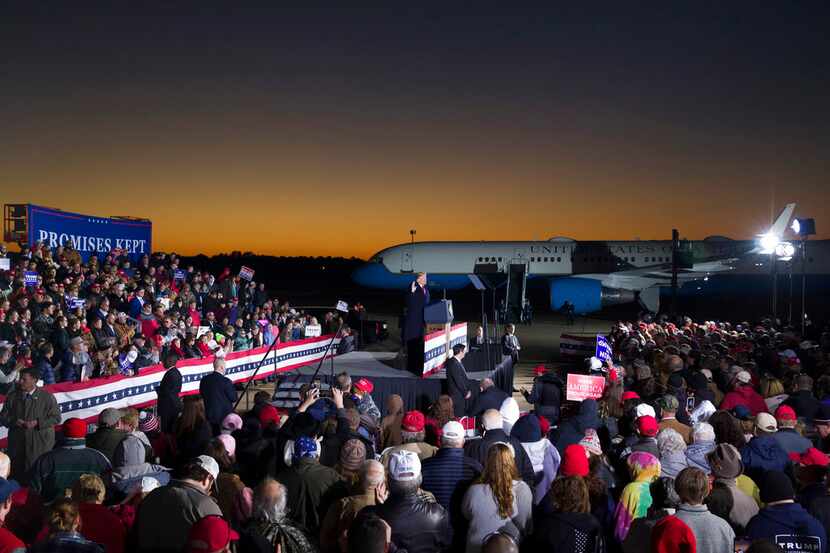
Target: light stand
{"points": [[804, 228]]}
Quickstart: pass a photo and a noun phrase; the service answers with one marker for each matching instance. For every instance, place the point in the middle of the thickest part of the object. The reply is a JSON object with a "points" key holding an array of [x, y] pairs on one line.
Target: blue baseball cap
{"points": [[7, 488], [305, 447]]}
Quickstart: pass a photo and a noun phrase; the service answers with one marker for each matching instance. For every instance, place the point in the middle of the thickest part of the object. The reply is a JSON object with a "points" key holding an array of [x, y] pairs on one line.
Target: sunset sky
{"points": [[333, 131]]}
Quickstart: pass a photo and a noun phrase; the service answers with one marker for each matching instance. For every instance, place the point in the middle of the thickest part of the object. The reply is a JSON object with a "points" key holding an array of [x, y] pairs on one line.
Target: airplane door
{"points": [[520, 255], [406, 260]]}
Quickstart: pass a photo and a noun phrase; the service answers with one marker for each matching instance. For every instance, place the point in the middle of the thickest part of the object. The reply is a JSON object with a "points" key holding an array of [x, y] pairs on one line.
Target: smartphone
{"points": [[690, 404]]}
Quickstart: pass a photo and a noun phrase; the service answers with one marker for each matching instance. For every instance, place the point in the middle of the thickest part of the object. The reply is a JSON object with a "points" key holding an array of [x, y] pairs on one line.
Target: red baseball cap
{"points": [[210, 534], [413, 421], [785, 413], [647, 426], [364, 385], [630, 395], [539, 370], [74, 428], [269, 414]]}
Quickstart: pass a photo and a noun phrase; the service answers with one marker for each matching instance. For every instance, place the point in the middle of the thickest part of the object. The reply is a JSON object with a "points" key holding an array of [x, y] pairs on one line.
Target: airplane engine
{"points": [[587, 295]]}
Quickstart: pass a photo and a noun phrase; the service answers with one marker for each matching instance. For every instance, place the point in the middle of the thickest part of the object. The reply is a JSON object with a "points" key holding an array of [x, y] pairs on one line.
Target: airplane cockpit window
{"points": [[376, 259]]}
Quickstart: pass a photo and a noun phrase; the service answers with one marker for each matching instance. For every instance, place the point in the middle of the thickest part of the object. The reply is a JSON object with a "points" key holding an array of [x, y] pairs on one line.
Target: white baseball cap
{"points": [[644, 409], [453, 430], [209, 464], [404, 466]]}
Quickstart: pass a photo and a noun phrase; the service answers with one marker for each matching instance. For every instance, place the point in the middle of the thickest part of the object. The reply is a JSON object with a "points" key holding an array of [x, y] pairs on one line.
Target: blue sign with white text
{"points": [[88, 234], [603, 352], [30, 278]]}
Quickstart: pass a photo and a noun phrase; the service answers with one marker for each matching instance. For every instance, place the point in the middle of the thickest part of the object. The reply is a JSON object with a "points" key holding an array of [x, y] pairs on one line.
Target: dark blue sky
{"points": [[588, 122]]}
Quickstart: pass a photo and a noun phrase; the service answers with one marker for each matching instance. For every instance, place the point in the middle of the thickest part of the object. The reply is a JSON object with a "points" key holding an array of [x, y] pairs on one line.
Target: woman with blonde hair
{"points": [[772, 390], [497, 500], [63, 525]]}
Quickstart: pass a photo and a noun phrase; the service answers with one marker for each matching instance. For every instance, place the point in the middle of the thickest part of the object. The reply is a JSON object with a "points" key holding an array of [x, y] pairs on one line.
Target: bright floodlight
{"points": [[768, 243], [796, 226]]}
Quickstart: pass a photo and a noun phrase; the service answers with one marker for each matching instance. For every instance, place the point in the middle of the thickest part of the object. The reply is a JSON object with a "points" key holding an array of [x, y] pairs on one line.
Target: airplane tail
{"points": [[783, 221]]}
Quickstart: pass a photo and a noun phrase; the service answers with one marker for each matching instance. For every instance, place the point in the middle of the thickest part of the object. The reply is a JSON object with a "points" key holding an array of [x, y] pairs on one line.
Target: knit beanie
{"points": [[527, 429], [776, 486], [352, 454], [574, 461], [591, 442]]}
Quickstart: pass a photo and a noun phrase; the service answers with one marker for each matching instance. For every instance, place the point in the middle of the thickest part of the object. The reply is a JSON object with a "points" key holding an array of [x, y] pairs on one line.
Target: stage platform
{"points": [[379, 367]]}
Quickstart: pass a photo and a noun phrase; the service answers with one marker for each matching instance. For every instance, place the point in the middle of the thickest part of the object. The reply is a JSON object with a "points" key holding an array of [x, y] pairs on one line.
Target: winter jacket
{"points": [[779, 523], [743, 506], [761, 454], [491, 398], [804, 403], [572, 430], [46, 370], [477, 449], [417, 525], [712, 533], [330, 454], [482, 512], [390, 426], [744, 395], [105, 439], [366, 406], [546, 396], [820, 509], [165, 516], [447, 474], [169, 403], [219, 394], [312, 489], [571, 532], [638, 539], [791, 441], [672, 464], [696, 455], [681, 428], [102, 526], [545, 460], [59, 469]]}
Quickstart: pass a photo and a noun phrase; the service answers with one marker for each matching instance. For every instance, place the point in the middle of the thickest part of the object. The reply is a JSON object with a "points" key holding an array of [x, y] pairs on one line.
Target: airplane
{"points": [[590, 275]]}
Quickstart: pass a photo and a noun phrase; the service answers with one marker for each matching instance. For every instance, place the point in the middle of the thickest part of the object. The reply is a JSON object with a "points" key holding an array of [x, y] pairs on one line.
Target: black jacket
{"points": [[330, 452], [546, 396], [417, 525], [574, 532], [414, 322], [477, 449], [804, 404], [219, 394], [491, 398], [458, 385], [572, 430], [169, 402]]}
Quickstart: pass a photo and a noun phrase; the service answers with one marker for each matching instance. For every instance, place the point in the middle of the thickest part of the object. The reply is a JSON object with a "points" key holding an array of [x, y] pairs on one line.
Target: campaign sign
{"points": [[312, 331], [5, 264], [178, 274], [603, 351], [581, 387], [246, 273], [790, 543], [75, 303], [30, 278], [89, 235]]}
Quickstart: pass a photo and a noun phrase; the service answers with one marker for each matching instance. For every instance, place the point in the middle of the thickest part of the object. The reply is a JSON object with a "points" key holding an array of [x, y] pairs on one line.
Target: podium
{"points": [[439, 312]]}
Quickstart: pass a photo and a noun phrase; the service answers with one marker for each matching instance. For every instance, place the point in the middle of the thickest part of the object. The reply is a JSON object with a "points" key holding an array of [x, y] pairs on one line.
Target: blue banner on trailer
{"points": [[89, 234]]}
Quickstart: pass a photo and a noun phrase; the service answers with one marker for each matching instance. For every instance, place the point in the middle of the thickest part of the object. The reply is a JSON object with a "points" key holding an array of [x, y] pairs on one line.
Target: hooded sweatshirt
{"points": [[390, 426], [130, 467], [761, 454], [572, 430], [636, 496], [780, 523], [574, 532]]}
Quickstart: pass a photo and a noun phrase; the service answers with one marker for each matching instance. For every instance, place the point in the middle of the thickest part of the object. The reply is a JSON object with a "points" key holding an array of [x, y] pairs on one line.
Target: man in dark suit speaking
{"points": [[459, 387], [417, 298]]}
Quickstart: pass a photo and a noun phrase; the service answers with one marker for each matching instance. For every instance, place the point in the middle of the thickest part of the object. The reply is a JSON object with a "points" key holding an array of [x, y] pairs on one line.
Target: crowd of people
{"points": [[75, 320], [706, 435]]}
